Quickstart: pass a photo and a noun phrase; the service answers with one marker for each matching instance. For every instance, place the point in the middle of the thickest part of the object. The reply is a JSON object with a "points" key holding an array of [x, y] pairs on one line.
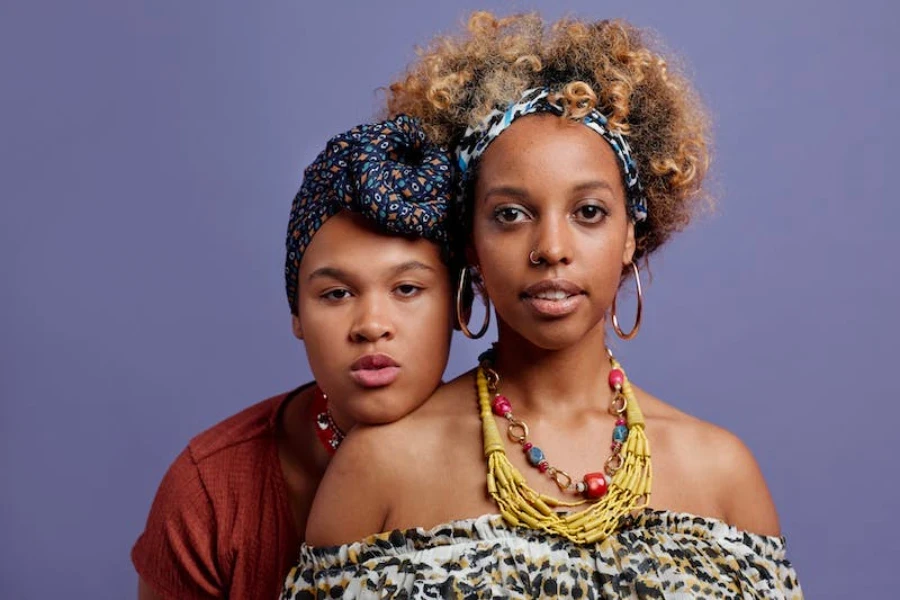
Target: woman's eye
{"points": [[591, 213], [509, 214], [338, 294], [407, 290]]}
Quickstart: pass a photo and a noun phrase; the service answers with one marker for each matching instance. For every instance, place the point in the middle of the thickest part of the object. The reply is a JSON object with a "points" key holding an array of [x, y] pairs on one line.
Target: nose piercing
{"points": [[534, 257]]}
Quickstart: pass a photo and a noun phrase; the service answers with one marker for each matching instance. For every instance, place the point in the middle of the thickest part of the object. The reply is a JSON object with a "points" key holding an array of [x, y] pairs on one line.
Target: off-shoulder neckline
{"points": [[492, 527]]}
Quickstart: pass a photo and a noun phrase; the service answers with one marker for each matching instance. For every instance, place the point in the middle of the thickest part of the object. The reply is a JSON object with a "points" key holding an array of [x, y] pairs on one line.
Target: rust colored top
{"points": [[221, 524]]}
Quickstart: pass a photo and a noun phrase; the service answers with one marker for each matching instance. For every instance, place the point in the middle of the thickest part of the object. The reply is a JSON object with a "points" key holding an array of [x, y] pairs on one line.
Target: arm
{"points": [[175, 556], [352, 501]]}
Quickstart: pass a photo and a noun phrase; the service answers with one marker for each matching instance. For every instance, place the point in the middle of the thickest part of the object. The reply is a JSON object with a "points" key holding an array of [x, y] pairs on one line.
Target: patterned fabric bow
{"points": [[537, 100], [388, 172]]}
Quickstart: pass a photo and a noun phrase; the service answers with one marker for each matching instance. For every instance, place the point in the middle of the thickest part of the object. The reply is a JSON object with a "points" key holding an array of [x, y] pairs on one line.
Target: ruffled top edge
{"points": [[492, 528]]}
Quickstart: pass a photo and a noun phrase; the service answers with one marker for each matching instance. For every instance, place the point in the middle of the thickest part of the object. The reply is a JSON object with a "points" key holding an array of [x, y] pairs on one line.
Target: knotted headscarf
{"points": [[388, 172], [534, 101]]}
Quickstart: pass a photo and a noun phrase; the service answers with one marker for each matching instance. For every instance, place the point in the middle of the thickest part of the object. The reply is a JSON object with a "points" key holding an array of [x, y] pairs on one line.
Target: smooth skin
{"points": [[553, 186], [361, 292]]}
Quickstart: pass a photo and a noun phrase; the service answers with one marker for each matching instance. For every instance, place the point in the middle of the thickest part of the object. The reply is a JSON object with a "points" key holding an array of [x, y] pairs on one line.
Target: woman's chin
{"points": [[381, 406], [557, 335]]}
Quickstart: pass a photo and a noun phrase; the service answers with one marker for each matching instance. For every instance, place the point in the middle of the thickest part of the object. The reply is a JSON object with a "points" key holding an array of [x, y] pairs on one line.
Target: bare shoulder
{"points": [[352, 501], [717, 461], [377, 464]]}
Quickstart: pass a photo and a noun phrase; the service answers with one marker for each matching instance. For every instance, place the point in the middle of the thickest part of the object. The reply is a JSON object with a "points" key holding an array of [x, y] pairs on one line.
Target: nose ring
{"points": [[534, 257]]}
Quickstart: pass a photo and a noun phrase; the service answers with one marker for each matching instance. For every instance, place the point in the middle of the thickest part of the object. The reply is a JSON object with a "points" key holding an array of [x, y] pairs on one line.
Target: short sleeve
{"points": [[176, 554]]}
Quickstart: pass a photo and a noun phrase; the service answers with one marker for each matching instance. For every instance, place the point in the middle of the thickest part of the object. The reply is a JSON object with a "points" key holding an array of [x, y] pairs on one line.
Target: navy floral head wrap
{"points": [[388, 172]]}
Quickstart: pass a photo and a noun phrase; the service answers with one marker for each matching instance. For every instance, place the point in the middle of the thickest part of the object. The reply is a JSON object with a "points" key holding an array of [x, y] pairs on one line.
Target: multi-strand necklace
{"points": [[613, 493]]}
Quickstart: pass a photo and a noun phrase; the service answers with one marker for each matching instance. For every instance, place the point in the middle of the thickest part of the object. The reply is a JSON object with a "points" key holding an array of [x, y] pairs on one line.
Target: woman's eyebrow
{"points": [[594, 184], [517, 192], [506, 190], [342, 275], [329, 272], [411, 265]]}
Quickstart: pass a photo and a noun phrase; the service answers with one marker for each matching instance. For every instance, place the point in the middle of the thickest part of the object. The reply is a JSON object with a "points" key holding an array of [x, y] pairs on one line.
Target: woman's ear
{"points": [[297, 327], [630, 244]]}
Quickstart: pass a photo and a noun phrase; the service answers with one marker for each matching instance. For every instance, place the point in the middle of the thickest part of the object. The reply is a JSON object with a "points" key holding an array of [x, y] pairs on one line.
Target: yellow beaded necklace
{"points": [[628, 486]]}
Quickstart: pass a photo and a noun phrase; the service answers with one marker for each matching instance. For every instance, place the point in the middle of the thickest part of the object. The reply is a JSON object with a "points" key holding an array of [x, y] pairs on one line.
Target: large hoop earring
{"points": [[640, 306], [463, 325]]}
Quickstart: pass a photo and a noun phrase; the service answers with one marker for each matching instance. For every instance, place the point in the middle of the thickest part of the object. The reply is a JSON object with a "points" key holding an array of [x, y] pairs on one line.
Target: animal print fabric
{"points": [[657, 554]]}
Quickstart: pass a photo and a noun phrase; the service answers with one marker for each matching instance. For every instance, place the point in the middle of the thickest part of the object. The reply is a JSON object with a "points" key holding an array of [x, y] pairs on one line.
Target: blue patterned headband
{"points": [[388, 172], [536, 100]]}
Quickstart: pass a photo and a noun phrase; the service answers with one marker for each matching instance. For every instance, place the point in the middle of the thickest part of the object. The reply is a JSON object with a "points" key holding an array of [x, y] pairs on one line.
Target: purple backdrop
{"points": [[149, 153]]}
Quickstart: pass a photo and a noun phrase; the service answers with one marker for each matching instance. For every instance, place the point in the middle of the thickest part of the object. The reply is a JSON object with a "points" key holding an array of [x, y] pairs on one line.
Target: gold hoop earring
{"points": [[640, 306], [463, 325]]}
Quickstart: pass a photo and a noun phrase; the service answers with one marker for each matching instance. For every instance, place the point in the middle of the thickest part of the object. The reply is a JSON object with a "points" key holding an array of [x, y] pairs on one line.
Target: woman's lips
{"points": [[374, 370], [553, 297]]}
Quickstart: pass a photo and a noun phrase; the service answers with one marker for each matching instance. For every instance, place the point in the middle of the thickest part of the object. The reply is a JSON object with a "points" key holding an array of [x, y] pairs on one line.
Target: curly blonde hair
{"points": [[608, 65]]}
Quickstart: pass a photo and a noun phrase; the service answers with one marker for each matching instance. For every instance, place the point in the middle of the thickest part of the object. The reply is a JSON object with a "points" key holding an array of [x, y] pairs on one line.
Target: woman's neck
{"points": [[540, 380]]}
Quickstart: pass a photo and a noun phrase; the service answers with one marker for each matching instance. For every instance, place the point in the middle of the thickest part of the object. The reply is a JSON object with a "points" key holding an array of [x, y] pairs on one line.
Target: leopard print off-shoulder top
{"points": [[655, 554]]}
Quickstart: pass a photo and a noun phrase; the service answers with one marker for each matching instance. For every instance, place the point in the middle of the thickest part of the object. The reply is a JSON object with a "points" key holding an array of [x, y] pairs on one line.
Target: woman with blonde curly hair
{"points": [[545, 471]]}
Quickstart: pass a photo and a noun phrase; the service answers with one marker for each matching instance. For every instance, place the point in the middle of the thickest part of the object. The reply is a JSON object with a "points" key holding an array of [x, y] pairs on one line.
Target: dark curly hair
{"points": [[608, 65]]}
